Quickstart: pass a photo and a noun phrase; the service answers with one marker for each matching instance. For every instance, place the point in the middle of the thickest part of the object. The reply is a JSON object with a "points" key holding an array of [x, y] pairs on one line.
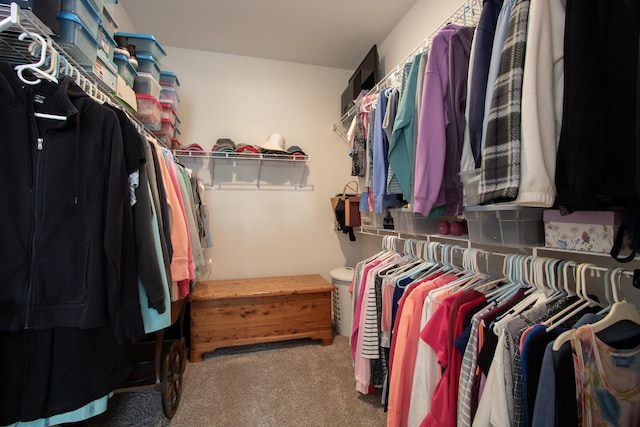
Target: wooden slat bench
{"points": [[235, 312]]}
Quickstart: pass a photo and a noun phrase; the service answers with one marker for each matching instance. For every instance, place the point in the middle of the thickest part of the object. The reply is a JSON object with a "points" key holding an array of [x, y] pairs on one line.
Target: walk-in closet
{"points": [[405, 214]]}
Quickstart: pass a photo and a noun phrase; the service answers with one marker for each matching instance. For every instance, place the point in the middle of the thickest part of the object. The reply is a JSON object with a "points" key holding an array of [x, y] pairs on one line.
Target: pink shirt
{"points": [[405, 346], [439, 333], [177, 223]]}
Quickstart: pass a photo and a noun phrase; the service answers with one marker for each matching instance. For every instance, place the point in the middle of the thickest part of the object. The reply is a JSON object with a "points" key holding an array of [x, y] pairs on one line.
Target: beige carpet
{"points": [[296, 383]]}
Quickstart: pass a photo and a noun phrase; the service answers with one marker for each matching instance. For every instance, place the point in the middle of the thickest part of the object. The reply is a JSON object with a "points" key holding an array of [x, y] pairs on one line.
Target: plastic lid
{"points": [[344, 274], [146, 57], [170, 74], [145, 37], [73, 17], [148, 98], [168, 106]]}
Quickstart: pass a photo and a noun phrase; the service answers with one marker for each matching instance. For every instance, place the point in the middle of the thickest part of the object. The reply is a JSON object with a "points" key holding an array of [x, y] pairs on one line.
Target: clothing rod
{"points": [[398, 244]]}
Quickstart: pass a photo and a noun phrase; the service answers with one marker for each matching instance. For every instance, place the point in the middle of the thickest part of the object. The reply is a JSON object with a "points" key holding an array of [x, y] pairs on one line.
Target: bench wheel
{"points": [[173, 369]]}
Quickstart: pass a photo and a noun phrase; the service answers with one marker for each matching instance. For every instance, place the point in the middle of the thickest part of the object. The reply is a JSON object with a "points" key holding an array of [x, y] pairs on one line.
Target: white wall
{"points": [[266, 233], [425, 17]]}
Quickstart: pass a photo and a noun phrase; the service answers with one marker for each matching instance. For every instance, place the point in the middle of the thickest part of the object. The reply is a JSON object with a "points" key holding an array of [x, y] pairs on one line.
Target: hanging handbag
{"points": [[346, 209]]}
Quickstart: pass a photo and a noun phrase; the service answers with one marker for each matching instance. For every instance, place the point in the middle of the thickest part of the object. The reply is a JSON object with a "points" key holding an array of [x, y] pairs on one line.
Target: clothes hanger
{"points": [[407, 259], [511, 285], [621, 310], [584, 302], [34, 68], [521, 266], [577, 291], [41, 46], [609, 289], [552, 269]]}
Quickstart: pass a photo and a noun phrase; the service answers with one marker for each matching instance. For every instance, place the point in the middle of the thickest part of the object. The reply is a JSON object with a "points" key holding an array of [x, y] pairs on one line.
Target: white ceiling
{"points": [[331, 33]]}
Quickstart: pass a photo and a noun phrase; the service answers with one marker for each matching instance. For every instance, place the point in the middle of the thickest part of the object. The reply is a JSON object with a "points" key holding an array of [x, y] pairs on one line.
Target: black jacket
{"points": [[64, 210]]}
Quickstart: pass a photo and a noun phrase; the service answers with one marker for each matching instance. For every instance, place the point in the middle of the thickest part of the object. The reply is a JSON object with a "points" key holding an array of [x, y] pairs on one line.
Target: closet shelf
{"points": [[14, 20], [247, 171], [466, 15], [463, 241]]}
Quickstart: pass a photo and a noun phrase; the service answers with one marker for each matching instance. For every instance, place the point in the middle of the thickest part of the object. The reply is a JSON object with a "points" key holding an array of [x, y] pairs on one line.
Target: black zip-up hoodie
{"points": [[64, 212]]}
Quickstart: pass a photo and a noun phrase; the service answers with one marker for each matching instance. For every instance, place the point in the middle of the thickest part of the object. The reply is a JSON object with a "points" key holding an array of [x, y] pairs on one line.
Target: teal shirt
{"points": [[401, 147]]}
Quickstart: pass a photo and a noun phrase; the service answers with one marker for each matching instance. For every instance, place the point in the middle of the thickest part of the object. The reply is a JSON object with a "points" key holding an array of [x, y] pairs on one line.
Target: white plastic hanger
{"points": [[585, 300], [621, 310], [35, 67]]}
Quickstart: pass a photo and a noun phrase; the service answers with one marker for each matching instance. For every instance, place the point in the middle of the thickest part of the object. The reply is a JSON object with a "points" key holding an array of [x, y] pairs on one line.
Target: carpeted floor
{"points": [[293, 383]]}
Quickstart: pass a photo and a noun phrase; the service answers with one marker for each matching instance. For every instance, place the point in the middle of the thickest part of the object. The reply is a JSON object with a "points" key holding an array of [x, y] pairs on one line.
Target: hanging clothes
{"points": [[478, 77], [542, 87], [431, 145], [54, 172], [500, 177], [83, 302], [459, 53], [401, 146]]}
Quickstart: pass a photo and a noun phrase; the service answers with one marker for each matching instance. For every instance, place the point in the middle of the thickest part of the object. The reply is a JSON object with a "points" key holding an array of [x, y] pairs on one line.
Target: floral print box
{"points": [[591, 231]]}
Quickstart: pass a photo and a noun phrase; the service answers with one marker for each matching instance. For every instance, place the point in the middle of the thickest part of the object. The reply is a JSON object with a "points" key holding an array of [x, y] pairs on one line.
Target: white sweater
{"points": [[542, 96]]}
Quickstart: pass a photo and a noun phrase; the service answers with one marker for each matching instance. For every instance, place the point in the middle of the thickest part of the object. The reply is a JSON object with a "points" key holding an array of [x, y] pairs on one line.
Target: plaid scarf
{"points": [[500, 177]]}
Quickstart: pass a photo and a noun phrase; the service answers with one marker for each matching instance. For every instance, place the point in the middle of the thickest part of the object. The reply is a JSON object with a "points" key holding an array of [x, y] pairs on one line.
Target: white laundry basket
{"points": [[342, 315]]}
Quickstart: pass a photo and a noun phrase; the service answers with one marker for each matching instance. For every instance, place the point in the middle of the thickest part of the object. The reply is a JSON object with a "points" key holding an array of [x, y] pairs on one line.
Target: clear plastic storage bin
{"points": [[167, 130], [506, 225], [147, 64], [145, 44], [108, 20], [371, 219], [97, 4], [77, 39], [169, 95], [168, 113], [149, 111], [105, 70], [406, 221], [169, 78], [146, 84], [107, 43], [85, 11], [125, 69]]}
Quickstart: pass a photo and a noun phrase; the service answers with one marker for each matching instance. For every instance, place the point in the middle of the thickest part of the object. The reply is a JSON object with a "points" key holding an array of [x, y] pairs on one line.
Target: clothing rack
{"points": [[13, 49], [466, 15], [480, 260], [22, 38]]}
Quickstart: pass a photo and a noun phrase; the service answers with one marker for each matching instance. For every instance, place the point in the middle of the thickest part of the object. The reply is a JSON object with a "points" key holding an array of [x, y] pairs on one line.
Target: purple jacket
{"points": [[431, 145]]}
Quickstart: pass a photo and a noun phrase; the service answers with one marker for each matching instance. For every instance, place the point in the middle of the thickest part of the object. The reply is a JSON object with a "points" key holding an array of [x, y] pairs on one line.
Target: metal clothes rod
{"points": [[400, 244]]}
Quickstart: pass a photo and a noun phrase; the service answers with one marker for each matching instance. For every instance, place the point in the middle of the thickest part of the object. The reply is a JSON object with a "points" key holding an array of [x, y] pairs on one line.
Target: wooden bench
{"points": [[235, 312]]}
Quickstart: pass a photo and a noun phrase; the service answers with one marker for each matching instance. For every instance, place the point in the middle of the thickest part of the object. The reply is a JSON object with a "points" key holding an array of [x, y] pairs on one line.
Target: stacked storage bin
{"points": [[145, 54], [79, 24], [86, 33], [169, 101]]}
